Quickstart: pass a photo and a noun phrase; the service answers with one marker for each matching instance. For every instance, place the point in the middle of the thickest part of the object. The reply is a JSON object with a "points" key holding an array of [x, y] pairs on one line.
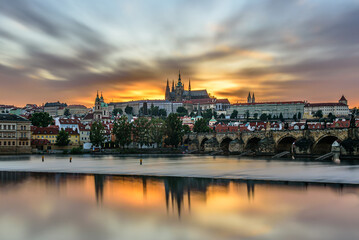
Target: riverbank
{"points": [[216, 167]]}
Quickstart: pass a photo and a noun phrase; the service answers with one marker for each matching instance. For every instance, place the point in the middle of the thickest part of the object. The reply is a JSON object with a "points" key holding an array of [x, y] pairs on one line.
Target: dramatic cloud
{"points": [[280, 50]]}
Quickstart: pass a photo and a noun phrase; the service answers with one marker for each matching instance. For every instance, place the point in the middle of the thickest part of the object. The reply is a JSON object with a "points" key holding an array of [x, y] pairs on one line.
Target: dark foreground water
{"points": [[76, 206]]}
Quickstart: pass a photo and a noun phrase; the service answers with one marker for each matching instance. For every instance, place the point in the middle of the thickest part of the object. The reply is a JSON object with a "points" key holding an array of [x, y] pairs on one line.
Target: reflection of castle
{"points": [[178, 94]]}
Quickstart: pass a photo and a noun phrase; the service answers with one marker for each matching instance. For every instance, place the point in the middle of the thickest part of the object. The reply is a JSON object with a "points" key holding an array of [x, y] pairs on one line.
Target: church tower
{"points": [[167, 95], [249, 98], [189, 90], [253, 99], [179, 89]]}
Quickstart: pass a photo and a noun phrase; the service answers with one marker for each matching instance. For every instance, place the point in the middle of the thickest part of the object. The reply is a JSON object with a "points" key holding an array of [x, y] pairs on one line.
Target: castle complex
{"points": [[179, 94]]}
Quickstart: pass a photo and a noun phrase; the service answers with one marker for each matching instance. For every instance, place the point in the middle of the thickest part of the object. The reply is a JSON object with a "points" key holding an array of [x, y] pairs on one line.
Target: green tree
{"points": [[173, 130], [255, 116], [207, 114], [222, 116], [117, 111], [201, 126], [247, 115], [154, 111], [192, 114], [299, 115], [234, 114], [41, 119], [319, 114], [122, 130], [97, 136], [156, 131], [67, 112], [129, 110], [331, 116], [62, 139], [295, 117], [281, 117], [186, 129], [162, 112], [182, 111], [263, 117], [140, 130]]}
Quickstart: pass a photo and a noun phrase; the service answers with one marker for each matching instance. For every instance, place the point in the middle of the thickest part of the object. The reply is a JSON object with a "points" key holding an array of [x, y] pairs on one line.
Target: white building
{"points": [[338, 109], [170, 107]]}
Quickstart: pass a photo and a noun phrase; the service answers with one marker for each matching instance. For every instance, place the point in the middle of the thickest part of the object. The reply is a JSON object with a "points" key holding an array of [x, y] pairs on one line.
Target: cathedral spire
{"points": [[189, 85], [173, 85], [179, 76], [249, 98], [253, 99]]}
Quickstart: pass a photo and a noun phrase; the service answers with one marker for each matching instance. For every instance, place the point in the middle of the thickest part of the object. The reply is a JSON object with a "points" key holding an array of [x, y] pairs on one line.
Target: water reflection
{"points": [[183, 208]]}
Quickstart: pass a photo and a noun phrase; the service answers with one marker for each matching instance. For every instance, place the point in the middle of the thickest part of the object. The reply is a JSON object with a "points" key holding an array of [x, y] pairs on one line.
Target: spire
{"points": [[253, 99], [173, 85], [179, 76], [97, 94], [189, 85], [249, 98], [97, 97], [101, 96], [167, 83]]}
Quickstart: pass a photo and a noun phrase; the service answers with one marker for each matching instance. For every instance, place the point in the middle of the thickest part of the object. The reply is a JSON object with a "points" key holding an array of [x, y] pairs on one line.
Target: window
{"points": [[13, 127], [4, 143], [9, 143], [19, 143], [0, 143], [24, 127], [13, 143]]}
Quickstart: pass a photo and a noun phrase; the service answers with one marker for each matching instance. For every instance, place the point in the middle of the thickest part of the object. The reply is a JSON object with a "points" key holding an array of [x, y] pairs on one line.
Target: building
{"points": [[55, 108], [214, 104], [66, 123], [84, 133], [338, 109], [179, 94], [45, 133], [79, 110], [141, 105], [287, 109], [15, 134], [50, 134], [101, 111]]}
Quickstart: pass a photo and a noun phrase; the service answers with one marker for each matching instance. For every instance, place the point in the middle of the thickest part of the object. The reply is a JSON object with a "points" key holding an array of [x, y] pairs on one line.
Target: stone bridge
{"points": [[271, 142]]}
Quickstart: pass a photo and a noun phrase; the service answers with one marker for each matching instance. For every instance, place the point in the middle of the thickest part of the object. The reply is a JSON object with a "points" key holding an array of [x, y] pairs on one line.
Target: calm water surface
{"points": [[75, 206]]}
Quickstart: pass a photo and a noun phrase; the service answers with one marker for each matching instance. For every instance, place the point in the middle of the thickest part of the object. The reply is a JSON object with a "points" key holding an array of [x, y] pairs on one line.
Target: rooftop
{"points": [[12, 118]]}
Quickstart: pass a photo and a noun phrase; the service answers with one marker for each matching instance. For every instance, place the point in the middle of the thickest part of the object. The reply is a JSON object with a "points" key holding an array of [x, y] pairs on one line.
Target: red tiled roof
{"points": [[88, 116], [70, 131], [45, 130], [69, 121]]}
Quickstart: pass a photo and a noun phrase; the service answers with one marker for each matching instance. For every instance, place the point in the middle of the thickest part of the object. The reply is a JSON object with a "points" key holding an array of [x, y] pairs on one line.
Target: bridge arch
{"points": [[203, 142], [252, 144], [285, 144], [224, 145], [324, 144]]}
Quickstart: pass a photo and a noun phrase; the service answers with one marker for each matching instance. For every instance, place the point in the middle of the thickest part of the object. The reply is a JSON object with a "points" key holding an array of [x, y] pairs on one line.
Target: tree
{"points": [[299, 115], [263, 117], [295, 117], [181, 111], [122, 131], [162, 112], [186, 129], [192, 114], [201, 126], [222, 116], [331, 116], [281, 117], [117, 111], [234, 114], [129, 110], [319, 114], [97, 136], [156, 131], [173, 130], [41, 119], [255, 116], [62, 139], [67, 112], [247, 115], [140, 130], [207, 114]]}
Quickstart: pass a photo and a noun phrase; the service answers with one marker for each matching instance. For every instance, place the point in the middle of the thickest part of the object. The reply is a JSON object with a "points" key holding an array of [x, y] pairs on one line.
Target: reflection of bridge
{"points": [[271, 142]]}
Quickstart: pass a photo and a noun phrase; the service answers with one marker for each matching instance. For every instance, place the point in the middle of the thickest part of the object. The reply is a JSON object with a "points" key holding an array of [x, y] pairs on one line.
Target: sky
{"points": [[281, 50]]}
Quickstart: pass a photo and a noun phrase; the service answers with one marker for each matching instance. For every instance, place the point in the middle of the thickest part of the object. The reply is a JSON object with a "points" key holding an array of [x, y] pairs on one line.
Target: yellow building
{"points": [[50, 134]]}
